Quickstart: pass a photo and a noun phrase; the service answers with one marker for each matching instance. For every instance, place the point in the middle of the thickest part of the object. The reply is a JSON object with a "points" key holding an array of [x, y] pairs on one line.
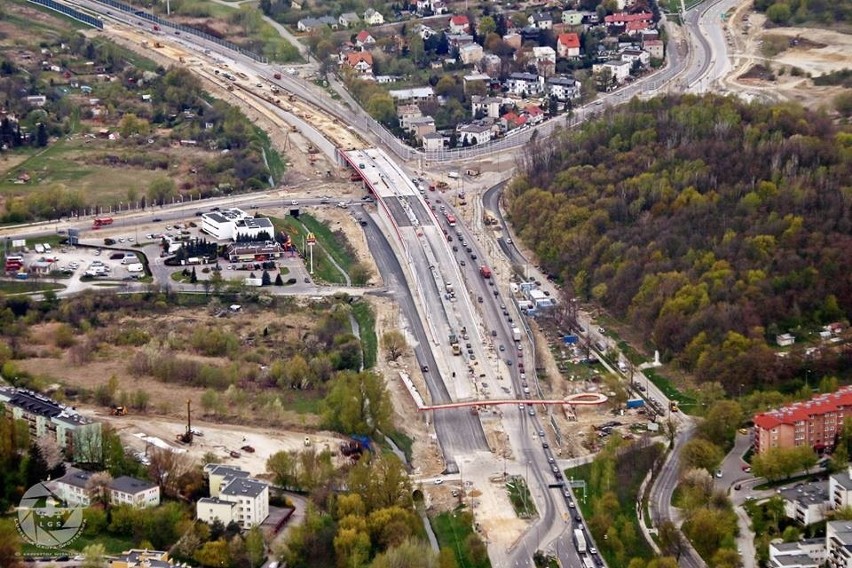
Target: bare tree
{"points": [[394, 344], [50, 451], [98, 487], [166, 468]]}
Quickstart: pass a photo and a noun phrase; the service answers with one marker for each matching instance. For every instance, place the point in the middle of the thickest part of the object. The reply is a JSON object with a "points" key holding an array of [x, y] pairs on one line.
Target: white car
{"points": [[439, 481], [593, 550]]}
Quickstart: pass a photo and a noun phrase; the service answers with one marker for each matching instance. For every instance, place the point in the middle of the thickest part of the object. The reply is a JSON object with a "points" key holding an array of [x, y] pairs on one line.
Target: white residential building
{"points": [[809, 553], [412, 95], [563, 88], [433, 142], [373, 17], [633, 55], [523, 84], [233, 496], [471, 54], [541, 20], [348, 19], [126, 490], [840, 488], [474, 133], [807, 503], [489, 106], [620, 70], [838, 542]]}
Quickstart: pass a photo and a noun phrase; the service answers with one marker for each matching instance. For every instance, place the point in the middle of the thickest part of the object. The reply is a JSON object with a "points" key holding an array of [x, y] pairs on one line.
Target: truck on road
{"points": [[485, 271], [580, 541], [516, 333]]}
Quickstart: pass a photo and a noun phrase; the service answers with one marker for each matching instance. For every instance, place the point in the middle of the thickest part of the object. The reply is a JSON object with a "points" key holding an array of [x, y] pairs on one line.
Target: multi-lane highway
{"points": [[417, 261]]}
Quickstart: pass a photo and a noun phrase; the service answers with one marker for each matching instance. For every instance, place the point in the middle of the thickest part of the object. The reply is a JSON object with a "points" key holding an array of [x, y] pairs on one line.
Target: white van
{"points": [[130, 259], [39, 248]]}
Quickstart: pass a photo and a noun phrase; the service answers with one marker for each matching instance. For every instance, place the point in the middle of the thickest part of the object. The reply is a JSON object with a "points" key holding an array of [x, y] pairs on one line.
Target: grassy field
{"points": [[363, 314], [60, 165], [34, 26], [521, 499], [334, 243], [403, 442], [452, 530], [324, 269], [26, 286], [687, 403], [112, 543]]}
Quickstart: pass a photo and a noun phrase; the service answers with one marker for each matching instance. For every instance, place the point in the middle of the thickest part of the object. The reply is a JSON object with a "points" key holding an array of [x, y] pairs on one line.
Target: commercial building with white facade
{"points": [[229, 224]]}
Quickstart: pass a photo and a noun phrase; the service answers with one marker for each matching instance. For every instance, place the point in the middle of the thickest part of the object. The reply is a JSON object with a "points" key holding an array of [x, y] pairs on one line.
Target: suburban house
{"points": [[488, 106], [535, 116], [512, 120], [814, 423], [541, 20], [477, 80], [421, 125], [459, 25], [412, 95], [655, 48], [523, 84], [365, 40], [311, 24], [406, 113], [473, 134], [619, 70], [545, 59], [361, 62], [348, 19], [77, 435], [137, 558], [432, 142], [471, 54], [562, 88], [785, 339], [234, 496], [634, 55], [631, 23], [572, 18], [75, 490], [373, 18], [568, 45]]}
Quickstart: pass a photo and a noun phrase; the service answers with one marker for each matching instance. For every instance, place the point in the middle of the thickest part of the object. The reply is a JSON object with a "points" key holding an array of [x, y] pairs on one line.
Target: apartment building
{"points": [[79, 436], [814, 423], [233, 497], [75, 490]]}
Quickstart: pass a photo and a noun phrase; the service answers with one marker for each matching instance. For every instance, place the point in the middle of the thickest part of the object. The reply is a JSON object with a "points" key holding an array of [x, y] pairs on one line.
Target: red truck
{"points": [[485, 271], [101, 222]]}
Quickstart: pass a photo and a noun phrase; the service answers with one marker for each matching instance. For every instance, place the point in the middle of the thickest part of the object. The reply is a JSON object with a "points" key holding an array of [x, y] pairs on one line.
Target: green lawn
{"points": [[334, 243], [452, 530], [324, 269], [687, 403], [25, 286], [112, 543], [363, 314], [521, 499]]}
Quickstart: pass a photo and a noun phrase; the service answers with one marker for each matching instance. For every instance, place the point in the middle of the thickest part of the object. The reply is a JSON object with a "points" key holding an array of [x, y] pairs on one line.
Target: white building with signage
{"points": [[228, 224]]}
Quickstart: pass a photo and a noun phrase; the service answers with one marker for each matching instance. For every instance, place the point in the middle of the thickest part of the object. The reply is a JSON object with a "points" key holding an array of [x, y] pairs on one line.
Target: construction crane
{"points": [[186, 437]]}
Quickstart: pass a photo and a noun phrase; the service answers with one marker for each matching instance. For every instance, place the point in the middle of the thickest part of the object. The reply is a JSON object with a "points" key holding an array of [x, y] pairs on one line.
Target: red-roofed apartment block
{"points": [[813, 423]]}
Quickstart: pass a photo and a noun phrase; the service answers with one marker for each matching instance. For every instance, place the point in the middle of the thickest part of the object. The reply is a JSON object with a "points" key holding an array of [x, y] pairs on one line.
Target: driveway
{"points": [[733, 475]]}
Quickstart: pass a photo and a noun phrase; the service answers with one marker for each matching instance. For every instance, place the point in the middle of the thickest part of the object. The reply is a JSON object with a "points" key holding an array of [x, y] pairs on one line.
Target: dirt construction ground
{"points": [[814, 51]]}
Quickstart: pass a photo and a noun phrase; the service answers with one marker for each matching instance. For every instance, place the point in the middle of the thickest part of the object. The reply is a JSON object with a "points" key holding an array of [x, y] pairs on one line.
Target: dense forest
{"points": [[708, 224]]}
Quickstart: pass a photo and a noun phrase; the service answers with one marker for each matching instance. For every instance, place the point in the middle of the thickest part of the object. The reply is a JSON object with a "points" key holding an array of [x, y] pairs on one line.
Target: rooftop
{"points": [[243, 487], [126, 484], [807, 494], [76, 478], [842, 531], [216, 501], [801, 411]]}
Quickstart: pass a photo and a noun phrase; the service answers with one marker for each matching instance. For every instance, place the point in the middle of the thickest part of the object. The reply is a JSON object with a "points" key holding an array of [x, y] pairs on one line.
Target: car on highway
{"points": [[593, 550], [294, 202], [439, 481], [531, 412], [473, 257], [156, 220], [545, 445], [718, 473], [463, 263], [502, 348], [541, 433], [425, 368], [509, 362]]}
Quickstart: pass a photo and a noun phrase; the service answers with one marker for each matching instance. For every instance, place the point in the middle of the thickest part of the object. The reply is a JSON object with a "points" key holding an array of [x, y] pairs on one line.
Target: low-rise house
{"points": [[544, 58], [534, 114], [412, 95], [433, 142], [425, 32], [311, 24], [127, 490], [807, 553], [513, 40], [137, 558], [568, 45], [365, 40], [541, 20], [622, 19], [655, 48], [619, 70], [373, 17], [512, 120], [490, 64], [785, 340], [562, 88], [476, 81], [572, 18], [348, 19], [807, 503], [36, 100], [459, 24], [634, 55], [523, 84], [406, 113], [470, 54], [458, 40], [361, 62], [421, 125], [473, 134], [487, 106]]}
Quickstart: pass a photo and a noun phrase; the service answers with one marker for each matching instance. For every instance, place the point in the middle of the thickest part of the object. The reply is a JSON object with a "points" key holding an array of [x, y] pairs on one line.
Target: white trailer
{"points": [[580, 541]]}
